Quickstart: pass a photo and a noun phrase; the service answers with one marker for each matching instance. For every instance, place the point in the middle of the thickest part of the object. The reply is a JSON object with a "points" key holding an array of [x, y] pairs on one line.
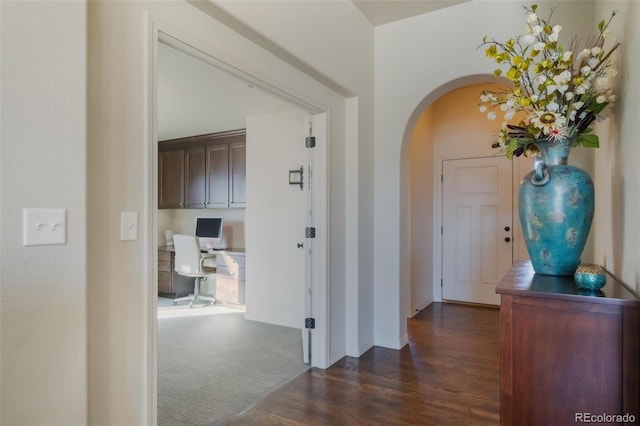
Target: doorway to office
{"points": [[265, 110]]}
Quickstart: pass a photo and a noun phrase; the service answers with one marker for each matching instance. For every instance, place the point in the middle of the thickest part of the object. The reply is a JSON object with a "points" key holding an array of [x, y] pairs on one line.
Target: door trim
{"points": [[157, 30]]}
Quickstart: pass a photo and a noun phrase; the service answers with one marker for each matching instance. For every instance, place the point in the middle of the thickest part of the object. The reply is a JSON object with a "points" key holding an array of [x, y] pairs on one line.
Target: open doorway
{"points": [[451, 133], [196, 353]]}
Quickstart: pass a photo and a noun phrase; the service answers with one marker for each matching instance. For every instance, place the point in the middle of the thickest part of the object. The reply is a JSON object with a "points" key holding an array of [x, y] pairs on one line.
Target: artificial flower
{"points": [[560, 93]]}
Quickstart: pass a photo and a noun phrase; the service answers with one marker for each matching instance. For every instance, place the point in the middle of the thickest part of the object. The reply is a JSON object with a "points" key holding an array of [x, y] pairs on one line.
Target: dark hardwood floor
{"points": [[447, 375]]}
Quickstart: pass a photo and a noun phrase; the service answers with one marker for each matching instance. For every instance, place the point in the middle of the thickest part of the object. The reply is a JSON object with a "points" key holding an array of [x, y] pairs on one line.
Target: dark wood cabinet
{"points": [[206, 171], [217, 175], [566, 351], [237, 174], [170, 283], [171, 179], [195, 169], [165, 272]]}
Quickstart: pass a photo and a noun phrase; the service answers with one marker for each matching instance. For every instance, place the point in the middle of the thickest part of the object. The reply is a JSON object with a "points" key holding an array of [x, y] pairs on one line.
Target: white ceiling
{"points": [[381, 12], [195, 97]]}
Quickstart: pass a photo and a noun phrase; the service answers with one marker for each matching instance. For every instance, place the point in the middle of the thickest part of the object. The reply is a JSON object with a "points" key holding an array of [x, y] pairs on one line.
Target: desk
{"points": [[229, 277], [564, 350]]}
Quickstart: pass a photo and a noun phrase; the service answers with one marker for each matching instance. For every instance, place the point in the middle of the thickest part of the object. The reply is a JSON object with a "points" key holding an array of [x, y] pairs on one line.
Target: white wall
{"points": [[416, 61], [617, 175], [421, 168], [43, 137]]}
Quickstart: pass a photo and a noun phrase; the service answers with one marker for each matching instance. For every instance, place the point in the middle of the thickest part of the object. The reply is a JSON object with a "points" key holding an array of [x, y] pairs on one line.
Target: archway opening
{"points": [[446, 125]]}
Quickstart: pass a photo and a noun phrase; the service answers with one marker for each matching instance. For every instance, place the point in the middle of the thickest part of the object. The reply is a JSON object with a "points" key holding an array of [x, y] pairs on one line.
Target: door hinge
{"points": [[441, 284], [310, 141], [441, 178], [442, 230], [309, 323], [310, 232]]}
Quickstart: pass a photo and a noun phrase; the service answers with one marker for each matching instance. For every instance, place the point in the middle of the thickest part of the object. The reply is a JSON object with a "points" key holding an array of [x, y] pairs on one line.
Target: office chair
{"points": [[189, 263]]}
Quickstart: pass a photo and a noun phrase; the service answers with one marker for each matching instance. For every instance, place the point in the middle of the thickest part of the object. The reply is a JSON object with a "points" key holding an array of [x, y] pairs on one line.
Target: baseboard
{"points": [[270, 320], [357, 351], [420, 308], [397, 345]]}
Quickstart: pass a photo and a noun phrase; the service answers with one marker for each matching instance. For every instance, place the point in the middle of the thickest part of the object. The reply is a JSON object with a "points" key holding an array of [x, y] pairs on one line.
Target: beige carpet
{"points": [[213, 364]]}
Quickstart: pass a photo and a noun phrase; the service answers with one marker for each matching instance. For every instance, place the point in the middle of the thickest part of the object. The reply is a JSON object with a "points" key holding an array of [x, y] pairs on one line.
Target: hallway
{"points": [[447, 375]]}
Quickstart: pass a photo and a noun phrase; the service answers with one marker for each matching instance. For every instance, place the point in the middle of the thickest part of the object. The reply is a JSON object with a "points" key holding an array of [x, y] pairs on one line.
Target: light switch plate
{"points": [[129, 226], [43, 227]]}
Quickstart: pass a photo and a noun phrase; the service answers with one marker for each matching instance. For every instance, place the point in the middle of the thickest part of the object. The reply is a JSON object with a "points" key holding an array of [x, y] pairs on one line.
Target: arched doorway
{"points": [[449, 127]]}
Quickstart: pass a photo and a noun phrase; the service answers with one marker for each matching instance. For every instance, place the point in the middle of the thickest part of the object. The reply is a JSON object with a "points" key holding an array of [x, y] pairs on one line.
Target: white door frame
{"points": [[320, 276]]}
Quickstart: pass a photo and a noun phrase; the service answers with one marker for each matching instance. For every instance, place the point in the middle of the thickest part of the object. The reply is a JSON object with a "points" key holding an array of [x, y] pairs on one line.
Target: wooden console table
{"points": [[566, 351]]}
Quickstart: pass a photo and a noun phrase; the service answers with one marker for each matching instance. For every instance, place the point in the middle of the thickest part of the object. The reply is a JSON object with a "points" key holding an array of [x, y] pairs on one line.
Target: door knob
{"points": [[506, 228], [300, 245], [507, 239]]}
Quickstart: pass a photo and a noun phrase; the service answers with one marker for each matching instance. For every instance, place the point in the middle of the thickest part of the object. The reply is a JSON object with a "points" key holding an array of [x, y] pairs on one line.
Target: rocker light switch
{"points": [[129, 226], [43, 227]]}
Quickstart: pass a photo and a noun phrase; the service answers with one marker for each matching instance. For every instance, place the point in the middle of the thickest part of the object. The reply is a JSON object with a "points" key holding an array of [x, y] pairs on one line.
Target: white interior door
{"points": [[276, 216], [477, 230]]}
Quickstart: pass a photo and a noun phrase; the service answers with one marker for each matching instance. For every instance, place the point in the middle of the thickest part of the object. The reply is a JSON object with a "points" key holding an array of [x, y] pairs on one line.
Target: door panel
{"points": [[194, 178], [477, 211], [217, 192], [275, 219]]}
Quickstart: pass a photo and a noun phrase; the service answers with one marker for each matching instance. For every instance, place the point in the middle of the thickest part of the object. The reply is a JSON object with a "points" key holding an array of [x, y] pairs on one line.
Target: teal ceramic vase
{"points": [[556, 209]]}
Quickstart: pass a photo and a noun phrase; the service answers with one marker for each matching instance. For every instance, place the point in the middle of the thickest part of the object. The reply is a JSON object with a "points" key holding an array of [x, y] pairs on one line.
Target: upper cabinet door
{"points": [[171, 179], [195, 178], [237, 174], [217, 187]]}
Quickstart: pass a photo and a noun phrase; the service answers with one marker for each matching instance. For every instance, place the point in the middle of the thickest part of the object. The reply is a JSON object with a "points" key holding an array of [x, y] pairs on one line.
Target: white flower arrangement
{"points": [[560, 92]]}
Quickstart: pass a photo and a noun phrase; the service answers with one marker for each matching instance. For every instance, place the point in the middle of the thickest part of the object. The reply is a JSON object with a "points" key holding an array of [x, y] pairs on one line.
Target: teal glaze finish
{"points": [[556, 203]]}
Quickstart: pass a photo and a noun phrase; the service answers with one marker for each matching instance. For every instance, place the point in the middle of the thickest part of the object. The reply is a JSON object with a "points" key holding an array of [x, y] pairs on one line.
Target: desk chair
{"points": [[189, 263]]}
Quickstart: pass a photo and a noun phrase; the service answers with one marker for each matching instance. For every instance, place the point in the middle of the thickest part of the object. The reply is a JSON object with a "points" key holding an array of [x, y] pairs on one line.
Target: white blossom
{"points": [[527, 39], [555, 32], [539, 46], [593, 62], [601, 99], [491, 116], [584, 54], [531, 18], [602, 82], [596, 50], [568, 96], [586, 70], [553, 107], [483, 108]]}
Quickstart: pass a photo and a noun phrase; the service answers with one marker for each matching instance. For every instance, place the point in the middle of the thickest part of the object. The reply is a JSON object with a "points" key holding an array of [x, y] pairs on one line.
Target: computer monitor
{"points": [[209, 232]]}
